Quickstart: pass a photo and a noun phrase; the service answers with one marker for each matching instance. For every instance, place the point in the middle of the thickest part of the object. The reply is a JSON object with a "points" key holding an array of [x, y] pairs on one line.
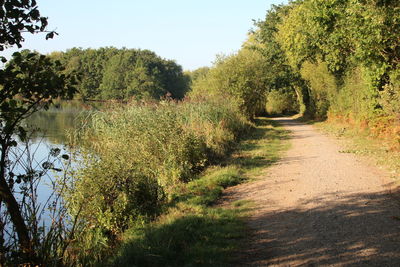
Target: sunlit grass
{"points": [[262, 148], [194, 231]]}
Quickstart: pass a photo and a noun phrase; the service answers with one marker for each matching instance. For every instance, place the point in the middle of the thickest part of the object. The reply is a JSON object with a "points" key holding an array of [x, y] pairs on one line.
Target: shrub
{"points": [[135, 157], [281, 101], [323, 87], [357, 97], [390, 96], [241, 76]]}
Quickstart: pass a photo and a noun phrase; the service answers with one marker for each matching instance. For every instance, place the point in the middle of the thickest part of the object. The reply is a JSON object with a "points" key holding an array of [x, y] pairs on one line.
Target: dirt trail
{"points": [[320, 207]]}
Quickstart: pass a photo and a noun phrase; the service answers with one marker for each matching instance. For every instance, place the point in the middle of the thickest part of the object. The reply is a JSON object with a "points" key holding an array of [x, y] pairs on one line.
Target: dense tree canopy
{"points": [[339, 58], [111, 73], [351, 39]]}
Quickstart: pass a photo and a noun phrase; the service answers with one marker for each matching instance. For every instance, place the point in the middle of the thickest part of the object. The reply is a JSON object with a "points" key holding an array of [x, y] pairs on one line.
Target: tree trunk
{"points": [[13, 209]]}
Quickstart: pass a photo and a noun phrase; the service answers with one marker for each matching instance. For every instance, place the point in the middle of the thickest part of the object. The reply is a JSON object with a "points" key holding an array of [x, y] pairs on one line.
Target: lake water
{"points": [[54, 124], [51, 128], [51, 133]]}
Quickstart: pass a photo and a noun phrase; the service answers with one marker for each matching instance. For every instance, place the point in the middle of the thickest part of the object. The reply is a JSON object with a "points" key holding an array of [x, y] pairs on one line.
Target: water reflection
{"points": [[51, 129], [55, 123]]}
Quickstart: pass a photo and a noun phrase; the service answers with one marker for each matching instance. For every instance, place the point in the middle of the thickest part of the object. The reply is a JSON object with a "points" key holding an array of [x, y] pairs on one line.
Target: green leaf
{"points": [[54, 152]]}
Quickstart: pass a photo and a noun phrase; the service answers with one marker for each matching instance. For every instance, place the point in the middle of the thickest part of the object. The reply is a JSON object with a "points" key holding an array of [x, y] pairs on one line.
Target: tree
{"points": [[342, 38], [28, 82], [281, 77], [89, 65], [196, 74], [18, 17], [241, 76], [143, 75]]}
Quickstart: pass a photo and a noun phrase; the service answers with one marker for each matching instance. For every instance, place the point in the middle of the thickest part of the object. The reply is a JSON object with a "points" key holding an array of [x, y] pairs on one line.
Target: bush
{"points": [[135, 157], [281, 101], [390, 96], [357, 98], [241, 76], [190, 232], [323, 87]]}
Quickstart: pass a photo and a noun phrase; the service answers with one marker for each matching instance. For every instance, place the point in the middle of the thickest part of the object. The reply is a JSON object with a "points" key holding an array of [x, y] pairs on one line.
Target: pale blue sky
{"points": [[191, 32]]}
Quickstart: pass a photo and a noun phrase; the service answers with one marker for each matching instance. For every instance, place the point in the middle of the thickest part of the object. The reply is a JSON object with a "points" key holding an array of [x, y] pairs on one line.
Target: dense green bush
{"points": [[241, 76], [390, 96], [351, 99], [322, 87], [135, 157], [282, 101]]}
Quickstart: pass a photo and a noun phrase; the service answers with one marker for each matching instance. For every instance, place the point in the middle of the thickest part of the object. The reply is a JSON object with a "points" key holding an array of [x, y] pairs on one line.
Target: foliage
{"points": [[351, 100], [280, 78], [45, 213], [316, 27], [281, 102], [260, 69], [29, 82], [111, 73], [375, 27], [134, 158], [193, 232], [199, 73], [280, 74], [326, 41], [89, 64], [390, 96], [18, 17], [240, 76], [322, 87]]}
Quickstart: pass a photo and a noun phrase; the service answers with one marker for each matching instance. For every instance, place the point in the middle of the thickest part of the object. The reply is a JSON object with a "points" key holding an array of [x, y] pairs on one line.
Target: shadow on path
{"points": [[318, 207], [357, 230]]}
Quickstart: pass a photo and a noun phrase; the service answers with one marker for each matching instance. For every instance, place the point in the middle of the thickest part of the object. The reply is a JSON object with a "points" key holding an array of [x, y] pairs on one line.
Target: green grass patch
{"points": [[262, 148], [195, 232], [208, 188], [188, 236]]}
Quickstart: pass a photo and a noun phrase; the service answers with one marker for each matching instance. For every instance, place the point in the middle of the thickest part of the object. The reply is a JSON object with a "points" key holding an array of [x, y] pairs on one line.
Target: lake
{"points": [[50, 134], [54, 124]]}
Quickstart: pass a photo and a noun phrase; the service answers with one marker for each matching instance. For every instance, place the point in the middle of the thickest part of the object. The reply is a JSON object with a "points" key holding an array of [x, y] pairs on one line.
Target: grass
{"points": [[194, 231], [361, 142], [262, 148]]}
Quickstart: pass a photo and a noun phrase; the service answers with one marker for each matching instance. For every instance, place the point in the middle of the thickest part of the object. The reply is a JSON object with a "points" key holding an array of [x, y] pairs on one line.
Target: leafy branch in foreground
{"points": [[29, 82], [18, 17]]}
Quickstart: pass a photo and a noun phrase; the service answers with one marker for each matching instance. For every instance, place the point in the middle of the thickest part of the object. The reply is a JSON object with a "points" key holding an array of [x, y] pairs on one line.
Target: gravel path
{"points": [[320, 207]]}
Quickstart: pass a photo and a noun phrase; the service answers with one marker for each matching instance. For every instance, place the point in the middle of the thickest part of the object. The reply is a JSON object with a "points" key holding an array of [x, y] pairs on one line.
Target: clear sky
{"points": [[191, 32]]}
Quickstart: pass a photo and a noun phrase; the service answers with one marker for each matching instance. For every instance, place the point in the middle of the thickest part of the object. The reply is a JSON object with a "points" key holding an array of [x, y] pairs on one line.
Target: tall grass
{"points": [[134, 158], [194, 231], [190, 233]]}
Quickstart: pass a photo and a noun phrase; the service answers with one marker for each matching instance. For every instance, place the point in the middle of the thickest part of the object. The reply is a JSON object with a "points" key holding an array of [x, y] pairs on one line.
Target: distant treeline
{"points": [[123, 74]]}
